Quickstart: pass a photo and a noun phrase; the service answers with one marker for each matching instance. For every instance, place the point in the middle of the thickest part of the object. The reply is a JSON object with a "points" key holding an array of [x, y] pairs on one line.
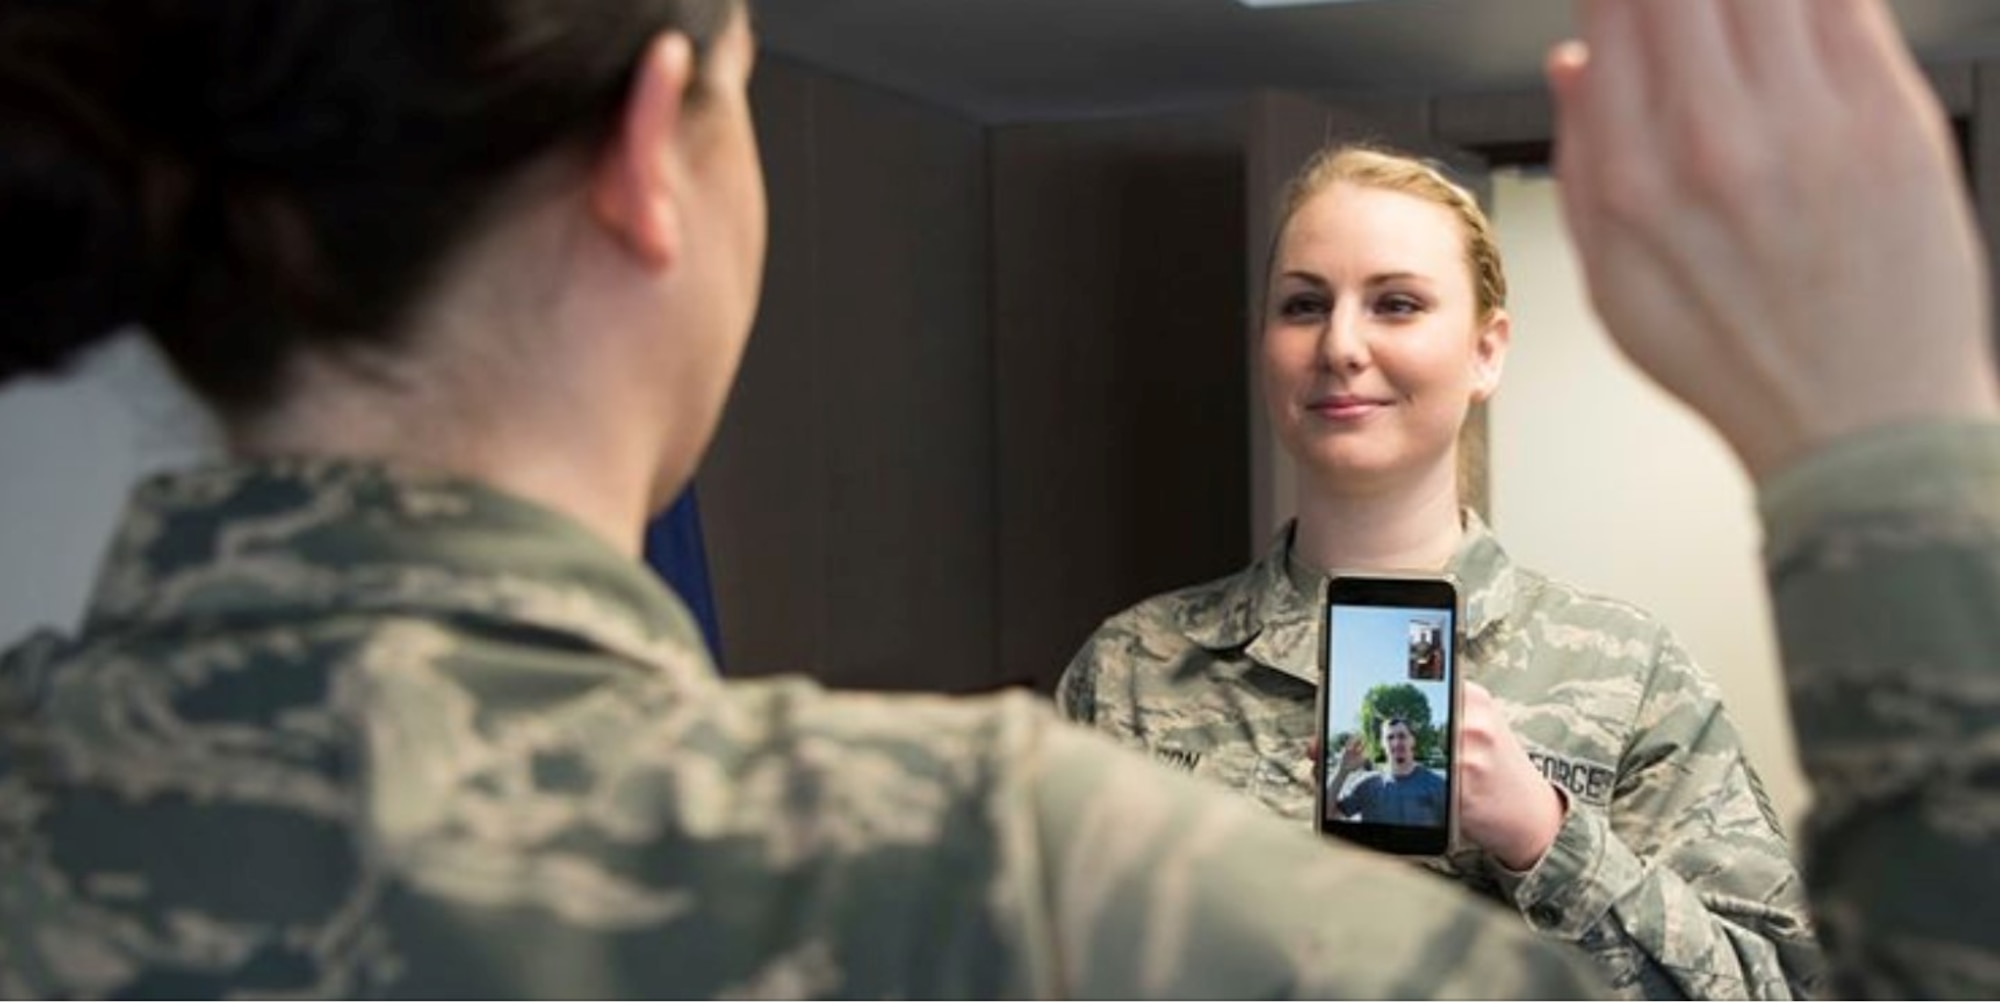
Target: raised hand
{"points": [[1354, 755], [1771, 219]]}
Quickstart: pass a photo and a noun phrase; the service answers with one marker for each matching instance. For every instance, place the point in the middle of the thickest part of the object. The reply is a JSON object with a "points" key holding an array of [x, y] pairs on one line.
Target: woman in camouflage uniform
{"points": [[1604, 790]]}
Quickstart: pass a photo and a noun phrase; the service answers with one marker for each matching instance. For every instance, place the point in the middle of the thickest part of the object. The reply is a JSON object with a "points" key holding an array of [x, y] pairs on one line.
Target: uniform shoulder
{"points": [[1615, 637], [25, 666], [1558, 603], [1147, 635]]}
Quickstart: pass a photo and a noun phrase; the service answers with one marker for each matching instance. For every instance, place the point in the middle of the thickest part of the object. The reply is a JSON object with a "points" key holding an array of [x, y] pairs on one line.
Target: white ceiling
{"points": [[999, 60]]}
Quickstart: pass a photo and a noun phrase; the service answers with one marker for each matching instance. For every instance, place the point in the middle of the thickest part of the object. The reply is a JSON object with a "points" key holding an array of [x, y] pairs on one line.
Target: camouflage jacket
{"points": [[1884, 560], [331, 729], [1670, 867]]}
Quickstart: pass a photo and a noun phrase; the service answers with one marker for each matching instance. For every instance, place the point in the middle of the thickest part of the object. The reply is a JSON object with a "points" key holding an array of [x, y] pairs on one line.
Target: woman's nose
{"points": [[1342, 344]]}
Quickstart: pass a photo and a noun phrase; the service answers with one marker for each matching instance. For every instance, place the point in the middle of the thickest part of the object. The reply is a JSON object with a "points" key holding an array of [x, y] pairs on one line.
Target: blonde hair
{"points": [[1379, 168]]}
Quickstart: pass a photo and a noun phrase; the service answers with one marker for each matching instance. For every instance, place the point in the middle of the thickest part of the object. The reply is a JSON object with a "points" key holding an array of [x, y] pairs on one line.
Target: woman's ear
{"points": [[1489, 354], [634, 189]]}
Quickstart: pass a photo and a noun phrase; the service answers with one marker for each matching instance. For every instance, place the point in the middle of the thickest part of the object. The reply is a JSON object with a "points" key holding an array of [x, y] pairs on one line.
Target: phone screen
{"points": [[1388, 703]]}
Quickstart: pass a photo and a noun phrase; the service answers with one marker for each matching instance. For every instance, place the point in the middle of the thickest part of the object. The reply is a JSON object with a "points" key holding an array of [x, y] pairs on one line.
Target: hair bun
{"points": [[71, 232]]}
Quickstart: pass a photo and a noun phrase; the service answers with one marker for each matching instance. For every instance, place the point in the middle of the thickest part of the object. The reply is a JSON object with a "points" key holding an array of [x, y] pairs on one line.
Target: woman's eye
{"points": [[1399, 304], [1302, 308]]}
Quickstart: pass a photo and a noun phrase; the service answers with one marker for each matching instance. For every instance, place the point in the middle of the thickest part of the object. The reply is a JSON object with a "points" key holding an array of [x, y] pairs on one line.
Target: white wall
{"points": [[70, 450], [1600, 479]]}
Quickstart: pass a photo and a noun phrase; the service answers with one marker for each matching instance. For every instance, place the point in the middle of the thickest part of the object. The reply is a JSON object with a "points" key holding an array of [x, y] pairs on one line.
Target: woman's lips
{"points": [[1346, 408]]}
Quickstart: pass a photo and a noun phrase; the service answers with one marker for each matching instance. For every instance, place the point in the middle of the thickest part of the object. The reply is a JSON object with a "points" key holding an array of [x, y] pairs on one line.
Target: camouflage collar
{"points": [[275, 540], [1271, 611]]}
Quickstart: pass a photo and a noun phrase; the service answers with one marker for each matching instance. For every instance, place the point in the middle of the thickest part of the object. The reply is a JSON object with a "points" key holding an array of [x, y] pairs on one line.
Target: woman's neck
{"points": [[533, 383], [1415, 526], [537, 444]]}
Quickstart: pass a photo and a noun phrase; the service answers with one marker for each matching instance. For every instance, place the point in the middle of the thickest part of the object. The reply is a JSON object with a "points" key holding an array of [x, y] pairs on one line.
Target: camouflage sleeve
{"points": [[1155, 885], [1884, 560], [1090, 690], [1687, 887]]}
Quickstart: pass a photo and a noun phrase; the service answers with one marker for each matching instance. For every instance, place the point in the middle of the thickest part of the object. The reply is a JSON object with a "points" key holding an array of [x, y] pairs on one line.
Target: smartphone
{"points": [[1389, 702]]}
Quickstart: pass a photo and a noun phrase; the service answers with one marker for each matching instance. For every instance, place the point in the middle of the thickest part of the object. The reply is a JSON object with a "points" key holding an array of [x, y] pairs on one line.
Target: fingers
{"points": [[1608, 137], [1860, 38], [1688, 58], [1610, 104], [1772, 42], [1874, 72], [1565, 69]]}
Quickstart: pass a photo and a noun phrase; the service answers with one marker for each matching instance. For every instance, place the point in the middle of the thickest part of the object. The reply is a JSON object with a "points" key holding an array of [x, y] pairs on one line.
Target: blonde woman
{"points": [[1604, 792]]}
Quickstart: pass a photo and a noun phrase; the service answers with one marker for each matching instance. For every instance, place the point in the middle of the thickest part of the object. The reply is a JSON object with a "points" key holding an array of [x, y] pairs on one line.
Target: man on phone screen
{"points": [[1401, 793]]}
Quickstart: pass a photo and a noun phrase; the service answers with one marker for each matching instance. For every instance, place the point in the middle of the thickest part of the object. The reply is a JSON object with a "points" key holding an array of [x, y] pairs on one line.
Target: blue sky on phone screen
{"points": [[1371, 646]]}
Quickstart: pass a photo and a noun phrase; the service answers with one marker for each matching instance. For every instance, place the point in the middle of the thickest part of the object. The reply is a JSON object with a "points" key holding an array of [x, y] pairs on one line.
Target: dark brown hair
{"points": [[248, 177]]}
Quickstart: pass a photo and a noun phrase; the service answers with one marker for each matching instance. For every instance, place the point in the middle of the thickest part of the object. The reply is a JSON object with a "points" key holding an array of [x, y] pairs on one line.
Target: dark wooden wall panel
{"points": [[762, 485], [849, 497], [1119, 369], [906, 401]]}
